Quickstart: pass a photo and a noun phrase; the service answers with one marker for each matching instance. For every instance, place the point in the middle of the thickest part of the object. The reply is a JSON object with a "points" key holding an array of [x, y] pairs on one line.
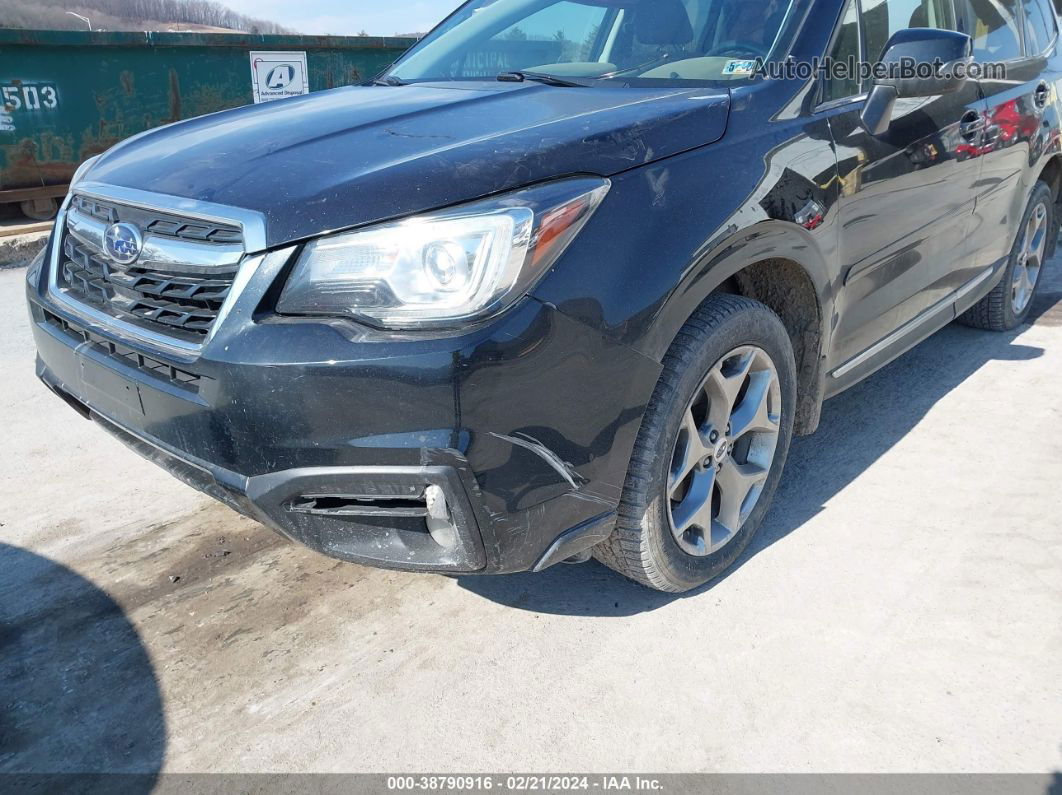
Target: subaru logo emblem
{"points": [[122, 243]]}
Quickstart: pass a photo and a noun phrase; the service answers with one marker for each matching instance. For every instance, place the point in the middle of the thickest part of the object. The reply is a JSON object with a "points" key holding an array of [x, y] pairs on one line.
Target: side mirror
{"points": [[917, 62]]}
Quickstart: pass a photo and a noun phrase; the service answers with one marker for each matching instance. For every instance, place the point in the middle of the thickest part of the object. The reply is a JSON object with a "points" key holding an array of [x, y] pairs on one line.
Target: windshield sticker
{"points": [[739, 68]]}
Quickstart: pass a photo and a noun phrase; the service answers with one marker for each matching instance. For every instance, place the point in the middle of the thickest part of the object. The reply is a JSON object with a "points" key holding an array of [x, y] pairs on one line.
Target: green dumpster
{"points": [[68, 95]]}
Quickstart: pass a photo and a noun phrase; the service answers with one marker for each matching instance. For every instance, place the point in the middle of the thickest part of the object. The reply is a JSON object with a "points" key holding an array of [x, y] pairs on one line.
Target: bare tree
{"points": [[129, 15]]}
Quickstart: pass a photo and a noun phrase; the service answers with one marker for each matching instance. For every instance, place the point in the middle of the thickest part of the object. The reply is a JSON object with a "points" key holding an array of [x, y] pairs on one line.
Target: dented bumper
{"points": [[516, 434]]}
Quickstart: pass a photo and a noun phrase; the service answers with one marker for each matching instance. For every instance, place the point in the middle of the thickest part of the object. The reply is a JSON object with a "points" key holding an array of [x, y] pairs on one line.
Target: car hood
{"points": [[357, 155]]}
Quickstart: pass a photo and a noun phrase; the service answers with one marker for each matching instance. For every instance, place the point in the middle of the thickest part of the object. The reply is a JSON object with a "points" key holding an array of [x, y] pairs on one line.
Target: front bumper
{"points": [[332, 434]]}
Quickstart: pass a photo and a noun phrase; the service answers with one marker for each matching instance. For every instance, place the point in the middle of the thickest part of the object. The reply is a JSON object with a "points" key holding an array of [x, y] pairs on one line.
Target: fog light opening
{"points": [[440, 524]]}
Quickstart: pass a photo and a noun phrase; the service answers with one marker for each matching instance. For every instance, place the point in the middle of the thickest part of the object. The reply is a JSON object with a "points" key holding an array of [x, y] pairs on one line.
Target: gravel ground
{"points": [[901, 611], [18, 249]]}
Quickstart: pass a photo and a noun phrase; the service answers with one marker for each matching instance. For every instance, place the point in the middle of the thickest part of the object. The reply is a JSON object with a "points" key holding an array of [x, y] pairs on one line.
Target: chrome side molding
{"points": [[887, 342]]}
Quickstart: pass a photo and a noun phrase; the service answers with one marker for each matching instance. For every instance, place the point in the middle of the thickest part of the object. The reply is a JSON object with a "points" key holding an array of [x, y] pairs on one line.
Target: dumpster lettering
{"points": [[66, 95], [29, 96]]}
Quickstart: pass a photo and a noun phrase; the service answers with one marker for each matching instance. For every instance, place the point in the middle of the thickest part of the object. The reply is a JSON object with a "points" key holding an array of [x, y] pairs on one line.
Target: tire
{"points": [[727, 339], [40, 209], [1009, 303]]}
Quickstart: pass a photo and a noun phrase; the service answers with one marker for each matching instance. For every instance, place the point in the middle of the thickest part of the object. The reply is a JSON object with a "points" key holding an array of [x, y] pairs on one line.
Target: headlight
{"points": [[443, 268]]}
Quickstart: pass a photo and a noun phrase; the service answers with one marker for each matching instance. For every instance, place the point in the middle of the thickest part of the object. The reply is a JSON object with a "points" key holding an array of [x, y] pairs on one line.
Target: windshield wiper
{"points": [[538, 77], [389, 81], [660, 59]]}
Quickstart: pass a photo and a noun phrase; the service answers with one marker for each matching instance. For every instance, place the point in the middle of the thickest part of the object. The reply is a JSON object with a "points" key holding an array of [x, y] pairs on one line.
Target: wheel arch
{"points": [[1051, 173], [780, 265]]}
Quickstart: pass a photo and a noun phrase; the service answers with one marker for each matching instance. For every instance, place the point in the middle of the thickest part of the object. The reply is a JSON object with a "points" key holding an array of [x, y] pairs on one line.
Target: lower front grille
{"points": [[149, 366]]}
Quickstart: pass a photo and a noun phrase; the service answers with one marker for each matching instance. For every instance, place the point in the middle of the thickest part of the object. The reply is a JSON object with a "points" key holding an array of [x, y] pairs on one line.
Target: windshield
{"points": [[589, 40]]}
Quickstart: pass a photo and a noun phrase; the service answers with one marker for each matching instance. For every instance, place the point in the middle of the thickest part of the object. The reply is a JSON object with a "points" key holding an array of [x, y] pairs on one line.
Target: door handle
{"points": [[971, 125], [1041, 95]]}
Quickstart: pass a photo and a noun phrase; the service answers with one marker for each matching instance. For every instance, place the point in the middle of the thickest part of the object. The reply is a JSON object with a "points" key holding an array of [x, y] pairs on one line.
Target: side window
{"points": [[845, 49], [1039, 26], [995, 30], [882, 18]]}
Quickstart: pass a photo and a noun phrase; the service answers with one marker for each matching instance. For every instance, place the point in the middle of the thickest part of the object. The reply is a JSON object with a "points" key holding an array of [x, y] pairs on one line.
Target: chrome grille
{"points": [[156, 223], [96, 209], [176, 287]]}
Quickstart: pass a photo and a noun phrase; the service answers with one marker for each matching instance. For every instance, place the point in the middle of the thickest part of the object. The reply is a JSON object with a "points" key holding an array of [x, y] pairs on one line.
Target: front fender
{"points": [[730, 254], [671, 232], [668, 235]]}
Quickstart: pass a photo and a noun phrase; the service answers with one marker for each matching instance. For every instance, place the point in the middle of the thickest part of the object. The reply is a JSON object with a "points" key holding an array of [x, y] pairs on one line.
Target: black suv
{"points": [[565, 279]]}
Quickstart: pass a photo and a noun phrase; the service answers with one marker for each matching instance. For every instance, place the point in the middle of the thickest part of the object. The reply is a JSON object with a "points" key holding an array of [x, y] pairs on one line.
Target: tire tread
{"points": [[627, 551]]}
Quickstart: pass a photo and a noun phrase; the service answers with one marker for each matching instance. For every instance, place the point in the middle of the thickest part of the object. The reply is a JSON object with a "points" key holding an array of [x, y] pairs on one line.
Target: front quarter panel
{"points": [[671, 233]]}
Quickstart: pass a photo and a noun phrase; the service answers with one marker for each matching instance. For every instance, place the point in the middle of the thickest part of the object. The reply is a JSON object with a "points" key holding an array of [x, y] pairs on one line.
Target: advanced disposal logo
{"points": [[276, 75]]}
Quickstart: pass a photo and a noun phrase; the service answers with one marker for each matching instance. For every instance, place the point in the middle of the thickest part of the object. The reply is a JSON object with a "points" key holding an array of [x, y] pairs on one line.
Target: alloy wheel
{"points": [[1030, 259], [724, 451]]}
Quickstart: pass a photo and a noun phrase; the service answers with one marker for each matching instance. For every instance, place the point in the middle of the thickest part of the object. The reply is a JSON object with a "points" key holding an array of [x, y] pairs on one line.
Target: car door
{"points": [[907, 195], [1021, 35]]}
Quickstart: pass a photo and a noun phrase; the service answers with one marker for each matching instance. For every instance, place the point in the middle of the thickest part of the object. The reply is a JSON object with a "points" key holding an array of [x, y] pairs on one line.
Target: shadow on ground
{"points": [[857, 428], [78, 693]]}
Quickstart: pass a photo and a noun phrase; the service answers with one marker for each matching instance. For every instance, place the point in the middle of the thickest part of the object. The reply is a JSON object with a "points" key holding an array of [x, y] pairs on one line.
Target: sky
{"points": [[349, 17]]}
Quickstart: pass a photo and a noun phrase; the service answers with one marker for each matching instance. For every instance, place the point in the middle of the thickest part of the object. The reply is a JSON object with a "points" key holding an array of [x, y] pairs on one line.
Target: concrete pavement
{"points": [[901, 610]]}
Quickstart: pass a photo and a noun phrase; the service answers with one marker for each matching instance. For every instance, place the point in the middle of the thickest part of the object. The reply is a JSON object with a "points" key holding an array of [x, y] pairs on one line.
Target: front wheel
{"points": [[711, 448]]}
